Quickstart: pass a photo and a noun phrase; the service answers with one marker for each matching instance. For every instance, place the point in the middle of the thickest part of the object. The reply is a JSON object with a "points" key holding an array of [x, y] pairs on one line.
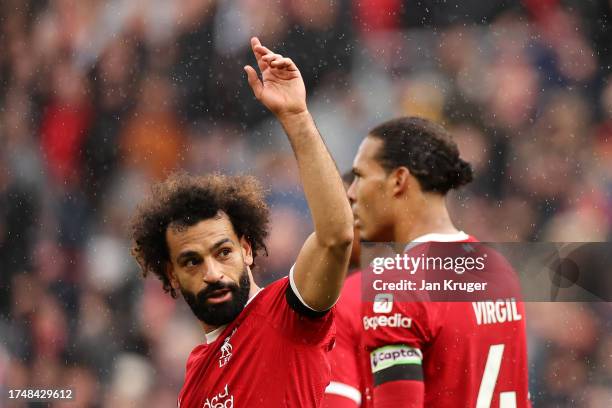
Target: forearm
{"points": [[323, 260], [329, 206]]}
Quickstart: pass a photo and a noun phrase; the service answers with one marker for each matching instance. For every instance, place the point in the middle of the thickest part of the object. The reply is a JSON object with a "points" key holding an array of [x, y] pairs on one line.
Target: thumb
{"points": [[254, 81]]}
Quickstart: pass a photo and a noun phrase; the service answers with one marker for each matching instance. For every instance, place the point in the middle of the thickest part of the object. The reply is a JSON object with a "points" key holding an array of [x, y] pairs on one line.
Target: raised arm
{"points": [[323, 260]]}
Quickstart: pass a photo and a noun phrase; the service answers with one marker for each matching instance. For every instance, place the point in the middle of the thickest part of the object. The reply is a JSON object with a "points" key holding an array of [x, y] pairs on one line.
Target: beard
{"points": [[219, 314]]}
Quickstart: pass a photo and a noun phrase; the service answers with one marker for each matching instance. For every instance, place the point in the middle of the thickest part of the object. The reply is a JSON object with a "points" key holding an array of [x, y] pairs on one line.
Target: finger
{"points": [[255, 43], [279, 65], [271, 57], [258, 52], [281, 62], [254, 81], [260, 49], [284, 63]]}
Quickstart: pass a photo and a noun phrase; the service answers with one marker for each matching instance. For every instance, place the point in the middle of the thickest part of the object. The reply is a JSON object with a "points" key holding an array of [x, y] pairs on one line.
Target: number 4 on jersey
{"points": [[489, 379]]}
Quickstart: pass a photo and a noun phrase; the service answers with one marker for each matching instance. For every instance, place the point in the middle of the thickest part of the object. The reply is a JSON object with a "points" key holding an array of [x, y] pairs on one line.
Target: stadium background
{"points": [[100, 98]]}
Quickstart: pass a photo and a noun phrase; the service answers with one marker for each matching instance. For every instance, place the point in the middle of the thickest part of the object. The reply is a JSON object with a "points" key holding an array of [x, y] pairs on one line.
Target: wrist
{"points": [[293, 116]]}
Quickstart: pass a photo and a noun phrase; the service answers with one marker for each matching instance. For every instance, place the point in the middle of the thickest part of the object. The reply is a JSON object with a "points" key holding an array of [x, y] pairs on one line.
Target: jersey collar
{"points": [[214, 335], [436, 237], [455, 237]]}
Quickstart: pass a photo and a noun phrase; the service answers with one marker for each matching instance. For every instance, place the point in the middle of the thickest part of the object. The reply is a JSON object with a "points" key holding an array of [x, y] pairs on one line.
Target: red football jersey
{"points": [[269, 356], [466, 354], [350, 384]]}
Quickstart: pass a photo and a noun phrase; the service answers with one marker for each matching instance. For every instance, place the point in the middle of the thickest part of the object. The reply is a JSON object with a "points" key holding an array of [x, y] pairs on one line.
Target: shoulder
{"points": [[271, 296], [283, 310], [351, 291], [196, 354], [274, 288], [282, 294], [353, 281], [348, 308]]}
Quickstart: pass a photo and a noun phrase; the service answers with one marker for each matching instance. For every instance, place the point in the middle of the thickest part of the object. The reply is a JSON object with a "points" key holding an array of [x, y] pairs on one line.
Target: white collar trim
{"points": [[436, 237], [214, 335], [455, 237]]}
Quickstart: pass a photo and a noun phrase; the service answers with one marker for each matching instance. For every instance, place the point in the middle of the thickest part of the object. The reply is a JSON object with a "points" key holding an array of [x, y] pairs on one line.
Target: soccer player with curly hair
{"points": [[264, 347]]}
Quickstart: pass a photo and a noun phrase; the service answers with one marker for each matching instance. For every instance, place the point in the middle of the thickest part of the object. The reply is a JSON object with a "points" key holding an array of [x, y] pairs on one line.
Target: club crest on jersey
{"points": [[226, 350], [222, 400], [383, 303]]}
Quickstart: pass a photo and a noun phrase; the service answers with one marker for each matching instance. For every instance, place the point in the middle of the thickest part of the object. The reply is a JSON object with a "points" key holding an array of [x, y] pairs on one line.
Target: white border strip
{"points": [[454, 237], [295, 289], [434, 237], [344, 390]]}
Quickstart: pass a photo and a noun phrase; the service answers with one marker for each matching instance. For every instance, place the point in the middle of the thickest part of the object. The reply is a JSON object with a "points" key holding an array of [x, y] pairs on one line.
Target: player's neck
{"points": [[431, 218], [207, 327]]}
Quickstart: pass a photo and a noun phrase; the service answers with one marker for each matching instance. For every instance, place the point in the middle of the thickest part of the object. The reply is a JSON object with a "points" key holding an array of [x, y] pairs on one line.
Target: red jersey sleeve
{"points": [[396, 335], [346, 389], [300, 324]]}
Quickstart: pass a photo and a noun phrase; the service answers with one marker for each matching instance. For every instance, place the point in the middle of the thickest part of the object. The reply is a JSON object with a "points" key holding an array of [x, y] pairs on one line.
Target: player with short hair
{"points": [[265, 347], [442, 354]]}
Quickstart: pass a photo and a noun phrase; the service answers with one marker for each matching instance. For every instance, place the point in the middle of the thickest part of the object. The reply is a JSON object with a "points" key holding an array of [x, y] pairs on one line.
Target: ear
{"points": [[247, 251], [172, 276], [401, 179]]}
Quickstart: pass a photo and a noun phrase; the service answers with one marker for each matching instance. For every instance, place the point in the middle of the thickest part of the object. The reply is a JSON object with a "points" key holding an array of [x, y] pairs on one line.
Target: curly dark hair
{"points": [[183, 200], [426, 149]]}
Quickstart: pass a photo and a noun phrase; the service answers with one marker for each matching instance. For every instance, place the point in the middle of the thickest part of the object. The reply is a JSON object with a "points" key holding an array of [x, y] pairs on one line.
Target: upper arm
{"points": [[339, 400], [345, 388], [396, 362], [284, 311], [319, 272], [400, 394], [397, 372], [396, 357]]}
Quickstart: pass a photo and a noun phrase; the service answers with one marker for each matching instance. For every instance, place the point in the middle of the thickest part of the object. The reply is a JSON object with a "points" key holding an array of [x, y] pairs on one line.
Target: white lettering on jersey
{"points": [[222, 400], [396, 320], [500, 311]]}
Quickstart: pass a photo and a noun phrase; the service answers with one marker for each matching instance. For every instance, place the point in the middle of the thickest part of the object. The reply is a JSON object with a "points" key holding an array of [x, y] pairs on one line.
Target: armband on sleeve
{"points": [[396, 362]]}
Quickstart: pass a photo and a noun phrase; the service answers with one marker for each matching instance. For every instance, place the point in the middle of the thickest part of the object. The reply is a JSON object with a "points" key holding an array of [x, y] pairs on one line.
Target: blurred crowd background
{"points": [[98, 99]]}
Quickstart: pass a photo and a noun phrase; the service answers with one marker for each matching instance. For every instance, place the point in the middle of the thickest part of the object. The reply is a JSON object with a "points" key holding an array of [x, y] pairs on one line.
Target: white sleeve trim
{"points": [[344, 390], [295, 289], [297, 292]]}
